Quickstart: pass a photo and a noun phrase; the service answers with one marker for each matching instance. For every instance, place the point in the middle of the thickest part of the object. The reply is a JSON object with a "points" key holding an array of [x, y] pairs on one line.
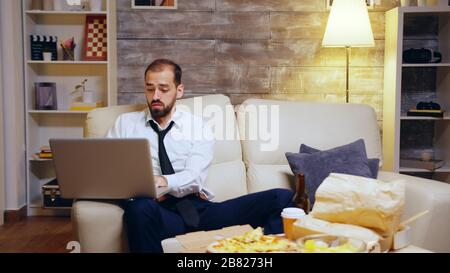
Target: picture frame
{"points": [[45, 96], [370, 4], [154, 4]]}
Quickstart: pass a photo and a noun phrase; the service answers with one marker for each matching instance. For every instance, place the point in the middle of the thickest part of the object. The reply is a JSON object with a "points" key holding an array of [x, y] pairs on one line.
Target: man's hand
{"points": [[161, 182]]}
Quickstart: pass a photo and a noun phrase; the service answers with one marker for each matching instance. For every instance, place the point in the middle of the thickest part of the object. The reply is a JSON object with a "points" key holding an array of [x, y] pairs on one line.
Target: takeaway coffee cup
{"points": [[290, 215]]}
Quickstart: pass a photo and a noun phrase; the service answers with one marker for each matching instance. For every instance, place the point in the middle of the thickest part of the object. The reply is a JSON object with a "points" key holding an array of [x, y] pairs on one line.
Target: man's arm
{"points": [[192, 178]]}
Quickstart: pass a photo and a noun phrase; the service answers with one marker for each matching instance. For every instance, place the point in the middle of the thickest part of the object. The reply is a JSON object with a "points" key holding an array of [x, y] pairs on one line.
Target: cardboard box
{"points": [[197, 242]]}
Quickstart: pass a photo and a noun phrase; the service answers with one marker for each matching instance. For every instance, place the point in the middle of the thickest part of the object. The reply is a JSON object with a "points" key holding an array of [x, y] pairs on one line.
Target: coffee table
{"points": [[172, 245]]}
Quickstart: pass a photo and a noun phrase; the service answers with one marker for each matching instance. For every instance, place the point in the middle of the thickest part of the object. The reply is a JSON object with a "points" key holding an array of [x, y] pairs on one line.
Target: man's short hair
{"points": [[161, 64]]}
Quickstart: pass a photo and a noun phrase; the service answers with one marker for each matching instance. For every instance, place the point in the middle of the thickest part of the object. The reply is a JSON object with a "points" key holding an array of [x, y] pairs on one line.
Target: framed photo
{"points": [[45, 95], [154, 4], [370, 4]]}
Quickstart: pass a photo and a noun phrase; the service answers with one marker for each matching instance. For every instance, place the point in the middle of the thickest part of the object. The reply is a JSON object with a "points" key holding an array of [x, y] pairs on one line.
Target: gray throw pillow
{"points": [[350, 159], [374, 163]]}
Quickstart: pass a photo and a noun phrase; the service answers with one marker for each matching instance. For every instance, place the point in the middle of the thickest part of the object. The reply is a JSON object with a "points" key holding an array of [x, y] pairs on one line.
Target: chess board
{"points": [[96, 38]]}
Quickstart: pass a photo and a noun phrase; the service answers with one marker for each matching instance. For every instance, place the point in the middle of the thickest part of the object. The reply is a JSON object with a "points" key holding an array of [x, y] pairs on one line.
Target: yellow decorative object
{"points": [[83, 106]]}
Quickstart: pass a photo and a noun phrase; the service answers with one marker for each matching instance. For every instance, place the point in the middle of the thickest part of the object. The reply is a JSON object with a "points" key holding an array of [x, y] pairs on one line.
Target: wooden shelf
{"points": [[443, 169], [47, 12], [446, 117], [427, 65], [45, 112], [70, 62], [40, 160], [425, 10]]}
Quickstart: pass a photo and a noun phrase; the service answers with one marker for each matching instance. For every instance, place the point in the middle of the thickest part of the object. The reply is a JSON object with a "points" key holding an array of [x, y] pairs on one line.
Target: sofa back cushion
{"points": [[282, 126], [227, 170]]}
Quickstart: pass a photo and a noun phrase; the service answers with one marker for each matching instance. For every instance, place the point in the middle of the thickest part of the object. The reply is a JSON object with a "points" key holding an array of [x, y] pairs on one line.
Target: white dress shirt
{"points": [[189, 145]]}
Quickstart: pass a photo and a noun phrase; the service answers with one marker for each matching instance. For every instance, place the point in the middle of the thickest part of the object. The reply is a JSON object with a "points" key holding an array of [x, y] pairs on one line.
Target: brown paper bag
{"points": [[361, 201]]}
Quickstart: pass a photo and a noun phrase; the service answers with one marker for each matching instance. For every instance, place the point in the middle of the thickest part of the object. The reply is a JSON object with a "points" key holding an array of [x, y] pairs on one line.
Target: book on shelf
{"points": [[418, 163], [426, 113], [44, 153], [85, 106]]}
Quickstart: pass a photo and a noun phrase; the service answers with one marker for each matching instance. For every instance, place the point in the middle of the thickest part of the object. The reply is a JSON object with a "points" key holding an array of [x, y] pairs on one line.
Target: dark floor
{"points": [[36, 235]]}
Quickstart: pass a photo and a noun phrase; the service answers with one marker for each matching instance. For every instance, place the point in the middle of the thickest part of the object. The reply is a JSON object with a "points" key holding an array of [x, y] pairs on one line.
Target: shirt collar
{"points": [[176, 118]]}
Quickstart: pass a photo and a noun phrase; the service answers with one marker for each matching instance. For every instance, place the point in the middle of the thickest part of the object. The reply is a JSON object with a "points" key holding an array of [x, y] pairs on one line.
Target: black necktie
{"points": [[184, 205], [164, 161]]}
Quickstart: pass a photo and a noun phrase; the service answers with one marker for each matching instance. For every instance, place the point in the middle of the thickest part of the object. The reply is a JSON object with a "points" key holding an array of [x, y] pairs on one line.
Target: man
{"points": [[181, 163]]}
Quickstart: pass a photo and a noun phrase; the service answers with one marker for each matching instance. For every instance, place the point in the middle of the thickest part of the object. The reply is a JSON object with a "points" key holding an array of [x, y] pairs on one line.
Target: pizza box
{"points": [[197, 242]]}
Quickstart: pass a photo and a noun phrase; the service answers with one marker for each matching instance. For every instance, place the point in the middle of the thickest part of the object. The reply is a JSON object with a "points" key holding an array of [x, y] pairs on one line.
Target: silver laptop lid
{"points": [[104, 168]]}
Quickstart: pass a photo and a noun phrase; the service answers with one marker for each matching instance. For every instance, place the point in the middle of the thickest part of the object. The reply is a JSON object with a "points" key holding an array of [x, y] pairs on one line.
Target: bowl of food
{"points": [[323, 243]]}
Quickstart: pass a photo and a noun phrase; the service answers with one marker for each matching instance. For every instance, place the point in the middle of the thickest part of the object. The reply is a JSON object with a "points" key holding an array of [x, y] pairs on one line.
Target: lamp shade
{"points": [[348, 25]]}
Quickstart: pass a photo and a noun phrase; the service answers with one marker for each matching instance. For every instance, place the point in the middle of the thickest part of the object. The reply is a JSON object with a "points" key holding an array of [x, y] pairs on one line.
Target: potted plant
{"points": [[87, 95]]}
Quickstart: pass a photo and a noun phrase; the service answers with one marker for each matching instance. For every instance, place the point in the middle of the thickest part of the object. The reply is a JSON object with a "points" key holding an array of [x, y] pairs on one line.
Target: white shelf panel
{"points": [[46, 12], [444, 169], [70, 62], [40, 160], [415, 9], [427, 65], [446, 117], [58, 112]]}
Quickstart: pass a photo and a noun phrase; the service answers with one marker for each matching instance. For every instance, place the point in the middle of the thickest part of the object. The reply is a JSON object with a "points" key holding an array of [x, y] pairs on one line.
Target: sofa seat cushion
{"points": [[265, 177], [227, 180]]}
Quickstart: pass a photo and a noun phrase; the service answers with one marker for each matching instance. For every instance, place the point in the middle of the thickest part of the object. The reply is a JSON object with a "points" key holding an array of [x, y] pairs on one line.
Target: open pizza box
{"points": [[197, 242]]}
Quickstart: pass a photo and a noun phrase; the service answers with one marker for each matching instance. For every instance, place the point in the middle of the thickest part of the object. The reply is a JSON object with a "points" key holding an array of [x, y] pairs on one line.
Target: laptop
{"points": [[104, 168]]}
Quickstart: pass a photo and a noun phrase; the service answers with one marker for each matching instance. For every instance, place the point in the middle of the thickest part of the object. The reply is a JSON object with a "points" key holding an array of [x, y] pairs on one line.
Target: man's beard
{"points": [[160, 113]]}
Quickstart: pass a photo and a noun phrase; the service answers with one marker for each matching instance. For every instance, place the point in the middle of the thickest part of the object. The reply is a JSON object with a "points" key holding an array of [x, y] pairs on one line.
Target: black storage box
{"points": [[52, 196]]}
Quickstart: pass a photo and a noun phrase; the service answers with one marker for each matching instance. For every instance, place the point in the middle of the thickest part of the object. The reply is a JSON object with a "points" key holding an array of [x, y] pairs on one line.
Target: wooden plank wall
{"points": [[249, 48]]}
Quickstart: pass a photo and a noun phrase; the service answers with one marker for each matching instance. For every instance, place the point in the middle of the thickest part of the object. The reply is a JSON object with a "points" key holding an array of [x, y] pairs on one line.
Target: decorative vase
{"points": [[96, 5], [88, 96]]}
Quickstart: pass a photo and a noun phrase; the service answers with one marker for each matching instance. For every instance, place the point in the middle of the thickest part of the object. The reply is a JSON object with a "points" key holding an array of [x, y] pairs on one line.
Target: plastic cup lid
{"points": [[293, 213]]}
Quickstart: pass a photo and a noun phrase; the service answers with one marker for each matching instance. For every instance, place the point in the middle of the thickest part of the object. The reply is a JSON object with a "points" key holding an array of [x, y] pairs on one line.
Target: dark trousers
{"points": [[148, 222]]}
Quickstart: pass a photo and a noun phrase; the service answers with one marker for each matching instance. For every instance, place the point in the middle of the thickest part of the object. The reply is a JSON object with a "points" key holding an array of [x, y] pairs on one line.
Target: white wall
{"points": [[13, 104], [2, 177]]}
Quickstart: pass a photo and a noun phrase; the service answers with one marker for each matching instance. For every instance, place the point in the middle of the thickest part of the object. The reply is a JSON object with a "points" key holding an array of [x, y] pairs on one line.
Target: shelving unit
{"points": [[41, 126], [408, 84]]}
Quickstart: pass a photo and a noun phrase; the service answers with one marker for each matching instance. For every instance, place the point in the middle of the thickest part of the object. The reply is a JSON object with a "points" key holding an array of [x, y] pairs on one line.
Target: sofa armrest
{"points": [[98, 226], [432, 230]]}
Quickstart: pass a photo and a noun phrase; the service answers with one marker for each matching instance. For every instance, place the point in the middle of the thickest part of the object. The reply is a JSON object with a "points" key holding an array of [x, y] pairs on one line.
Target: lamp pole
{"points": [[347, 75]]}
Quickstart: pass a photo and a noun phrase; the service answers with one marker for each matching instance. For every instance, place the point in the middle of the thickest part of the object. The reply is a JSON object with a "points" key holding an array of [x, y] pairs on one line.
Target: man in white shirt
{"points": [[181, 162]]}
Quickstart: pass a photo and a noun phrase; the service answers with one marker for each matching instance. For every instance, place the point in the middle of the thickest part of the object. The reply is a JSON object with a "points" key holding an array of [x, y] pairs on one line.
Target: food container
{"points": [[402, 238], [323, 243]]}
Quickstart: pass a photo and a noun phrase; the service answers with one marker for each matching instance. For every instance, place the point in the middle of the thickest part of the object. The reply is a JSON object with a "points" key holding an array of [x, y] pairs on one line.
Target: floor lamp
{"points": [[348, 26]]}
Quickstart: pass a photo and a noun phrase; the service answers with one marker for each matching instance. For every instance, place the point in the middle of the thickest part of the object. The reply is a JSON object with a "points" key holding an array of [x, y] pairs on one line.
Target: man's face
{"points": [[161, 92]]}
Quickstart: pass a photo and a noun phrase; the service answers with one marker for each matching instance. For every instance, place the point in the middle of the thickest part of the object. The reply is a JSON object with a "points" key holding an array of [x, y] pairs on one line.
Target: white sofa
{"points": [[241, 167]]}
